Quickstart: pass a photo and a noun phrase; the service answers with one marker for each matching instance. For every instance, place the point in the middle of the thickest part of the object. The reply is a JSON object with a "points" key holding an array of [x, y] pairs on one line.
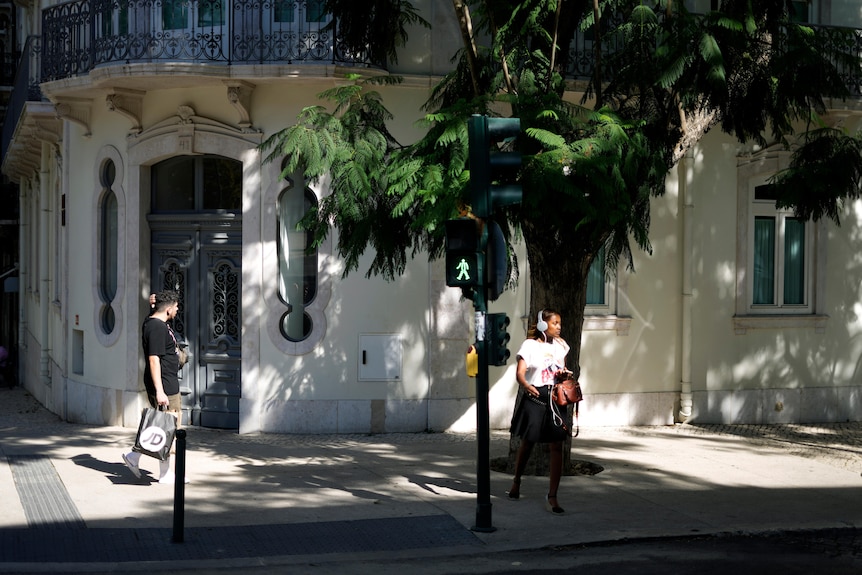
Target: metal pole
{"points": [[483, 420], [179, 486]]}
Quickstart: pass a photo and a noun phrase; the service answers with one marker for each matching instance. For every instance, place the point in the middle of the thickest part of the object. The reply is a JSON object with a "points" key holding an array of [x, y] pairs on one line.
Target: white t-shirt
{"points": [[543, 360]]}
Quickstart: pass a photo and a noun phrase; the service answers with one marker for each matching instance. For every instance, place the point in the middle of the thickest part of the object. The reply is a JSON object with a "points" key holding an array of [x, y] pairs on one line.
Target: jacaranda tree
{"points": [[661, 77]]}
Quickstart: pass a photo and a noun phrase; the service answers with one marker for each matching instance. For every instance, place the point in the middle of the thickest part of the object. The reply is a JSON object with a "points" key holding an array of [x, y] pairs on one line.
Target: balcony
{"points": [[83, 35], [29, 118]]}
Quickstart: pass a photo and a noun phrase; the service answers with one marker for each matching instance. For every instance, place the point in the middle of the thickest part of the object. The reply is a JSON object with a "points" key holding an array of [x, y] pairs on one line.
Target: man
{"points": [[160, 371]]}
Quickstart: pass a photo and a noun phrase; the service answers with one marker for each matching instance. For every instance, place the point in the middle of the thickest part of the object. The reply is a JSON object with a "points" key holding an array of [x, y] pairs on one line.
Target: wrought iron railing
{"points": [[84, 34], [81, 35], [581, 57], [24, 89], [847, 41]]}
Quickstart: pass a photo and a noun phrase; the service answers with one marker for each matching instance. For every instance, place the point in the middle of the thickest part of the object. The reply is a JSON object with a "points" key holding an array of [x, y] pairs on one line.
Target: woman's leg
{"points": [[521, 459], [556, 471]]}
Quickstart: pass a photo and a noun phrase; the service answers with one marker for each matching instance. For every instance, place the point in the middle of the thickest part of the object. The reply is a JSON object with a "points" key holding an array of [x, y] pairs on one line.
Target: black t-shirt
{"points": [[158, 339]]}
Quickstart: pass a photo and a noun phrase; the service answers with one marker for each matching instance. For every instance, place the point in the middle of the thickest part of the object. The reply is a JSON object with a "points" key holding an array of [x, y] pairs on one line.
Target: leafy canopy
{"points": [[658, 79]]}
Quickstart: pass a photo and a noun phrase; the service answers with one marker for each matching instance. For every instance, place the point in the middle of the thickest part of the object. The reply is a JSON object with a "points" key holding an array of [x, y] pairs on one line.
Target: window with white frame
{"points": [[780, 260], [605, 309], [598, 286], [779, 256]]}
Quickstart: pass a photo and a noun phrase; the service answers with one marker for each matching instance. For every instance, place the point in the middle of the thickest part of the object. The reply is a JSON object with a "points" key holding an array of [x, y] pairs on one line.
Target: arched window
{"points": [[297, 264], [108, 243]]}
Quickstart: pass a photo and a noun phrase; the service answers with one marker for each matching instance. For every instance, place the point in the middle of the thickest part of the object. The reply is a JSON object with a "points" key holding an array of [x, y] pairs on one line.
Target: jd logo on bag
{"points": [[155, 433], [153, 438]]}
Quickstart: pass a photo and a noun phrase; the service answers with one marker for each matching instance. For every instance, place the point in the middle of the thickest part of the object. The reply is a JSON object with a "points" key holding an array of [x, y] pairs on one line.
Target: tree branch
{"points": [[554, 44], [466, 26]]}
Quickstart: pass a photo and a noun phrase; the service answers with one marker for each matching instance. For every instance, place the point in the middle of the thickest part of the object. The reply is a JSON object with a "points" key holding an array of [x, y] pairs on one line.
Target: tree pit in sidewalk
{"points": [[577, 467]]}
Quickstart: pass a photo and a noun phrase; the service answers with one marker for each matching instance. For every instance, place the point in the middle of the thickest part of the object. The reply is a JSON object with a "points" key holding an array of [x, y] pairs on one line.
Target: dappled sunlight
{"points": [[725, 281], [624, 354], [750, 368], [467, 421], [269, 478]]}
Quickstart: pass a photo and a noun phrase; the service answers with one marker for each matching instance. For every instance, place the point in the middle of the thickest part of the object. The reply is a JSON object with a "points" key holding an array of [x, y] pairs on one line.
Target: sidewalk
{"points": [[70, 505]]}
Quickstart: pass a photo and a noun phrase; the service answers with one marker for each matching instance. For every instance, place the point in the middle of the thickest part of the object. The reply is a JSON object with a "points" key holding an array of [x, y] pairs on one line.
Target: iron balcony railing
{"points": [[82, 35], [581, 58]]}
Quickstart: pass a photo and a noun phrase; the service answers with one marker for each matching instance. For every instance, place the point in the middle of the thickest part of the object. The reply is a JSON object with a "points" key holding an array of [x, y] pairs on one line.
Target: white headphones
{"points": [[541, 325]]}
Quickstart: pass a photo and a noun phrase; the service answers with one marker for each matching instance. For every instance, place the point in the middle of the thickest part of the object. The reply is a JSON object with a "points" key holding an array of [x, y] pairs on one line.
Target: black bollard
{"points": [[179, 486]]}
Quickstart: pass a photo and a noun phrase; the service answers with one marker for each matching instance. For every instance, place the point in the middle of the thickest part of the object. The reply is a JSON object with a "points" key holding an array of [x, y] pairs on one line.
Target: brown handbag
{"points": [[567, 392]]}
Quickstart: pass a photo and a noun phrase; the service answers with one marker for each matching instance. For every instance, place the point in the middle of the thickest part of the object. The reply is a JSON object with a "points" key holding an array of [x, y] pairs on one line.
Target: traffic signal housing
{"points": [[492, 173], [465, 255], [498, 339]]}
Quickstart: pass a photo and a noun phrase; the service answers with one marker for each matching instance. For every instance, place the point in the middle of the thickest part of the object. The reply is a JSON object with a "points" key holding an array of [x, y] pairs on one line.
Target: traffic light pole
{"points": [[466, 268], [483, 419]]}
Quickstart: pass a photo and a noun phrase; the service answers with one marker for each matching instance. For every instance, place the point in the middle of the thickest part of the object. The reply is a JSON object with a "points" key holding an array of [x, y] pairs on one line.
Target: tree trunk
{"points": [[558, 280]]}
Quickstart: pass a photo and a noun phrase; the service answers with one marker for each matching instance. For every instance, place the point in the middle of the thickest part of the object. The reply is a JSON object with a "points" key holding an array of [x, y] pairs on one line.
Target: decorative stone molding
{"points": [[743, 323], [76, 111], [239, 96], [127, 103], [186, 130]]}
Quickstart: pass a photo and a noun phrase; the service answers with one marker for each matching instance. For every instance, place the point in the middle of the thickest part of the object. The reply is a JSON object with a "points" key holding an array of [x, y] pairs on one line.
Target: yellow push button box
{"points": [[472, 361]]}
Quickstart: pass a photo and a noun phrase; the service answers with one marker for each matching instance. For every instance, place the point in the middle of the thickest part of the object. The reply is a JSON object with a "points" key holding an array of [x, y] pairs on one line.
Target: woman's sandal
{"points": [[554, 509], [514, 492]]}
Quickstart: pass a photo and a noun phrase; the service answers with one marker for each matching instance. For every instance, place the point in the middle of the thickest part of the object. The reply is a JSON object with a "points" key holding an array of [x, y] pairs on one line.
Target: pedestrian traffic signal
{"points": [[464, 253], [496, 261], [493, 174], [498, 339]]}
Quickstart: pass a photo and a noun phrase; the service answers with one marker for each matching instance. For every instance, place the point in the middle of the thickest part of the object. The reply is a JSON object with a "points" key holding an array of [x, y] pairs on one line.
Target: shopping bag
{"points": [[155, 433]]}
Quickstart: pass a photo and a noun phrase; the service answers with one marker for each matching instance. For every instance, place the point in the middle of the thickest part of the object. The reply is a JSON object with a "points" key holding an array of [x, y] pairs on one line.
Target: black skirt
{"points": [[534, 421]]}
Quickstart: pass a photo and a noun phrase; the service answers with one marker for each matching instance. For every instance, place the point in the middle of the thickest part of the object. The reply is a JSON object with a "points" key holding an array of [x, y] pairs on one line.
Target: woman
{"points": [[541, 357]]}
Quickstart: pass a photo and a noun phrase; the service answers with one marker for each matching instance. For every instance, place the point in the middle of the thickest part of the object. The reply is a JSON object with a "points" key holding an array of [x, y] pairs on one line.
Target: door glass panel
{"points": [[174, 185], [314, 11], [175, 14], [211, 13], [283, 10], [188, 183], [222, 185]]}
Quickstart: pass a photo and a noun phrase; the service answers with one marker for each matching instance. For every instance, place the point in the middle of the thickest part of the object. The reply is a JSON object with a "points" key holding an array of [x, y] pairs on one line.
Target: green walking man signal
{"points": [[463, 270], [464, 253]]}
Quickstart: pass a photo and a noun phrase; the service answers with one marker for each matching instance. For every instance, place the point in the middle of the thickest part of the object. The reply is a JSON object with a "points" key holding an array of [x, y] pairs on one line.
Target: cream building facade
{"points": [[139, 169]]}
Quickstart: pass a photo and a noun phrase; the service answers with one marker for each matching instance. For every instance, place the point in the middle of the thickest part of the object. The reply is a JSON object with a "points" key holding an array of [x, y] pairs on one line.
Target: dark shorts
{"points": [[533, 420]]}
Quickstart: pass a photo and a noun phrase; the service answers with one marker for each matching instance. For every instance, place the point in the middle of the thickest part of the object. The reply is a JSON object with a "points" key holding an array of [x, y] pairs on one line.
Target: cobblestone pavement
{"points": [[838, 444]]}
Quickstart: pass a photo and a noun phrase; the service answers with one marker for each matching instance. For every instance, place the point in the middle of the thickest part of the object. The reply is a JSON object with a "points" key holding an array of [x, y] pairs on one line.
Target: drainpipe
{"points": [[684, 171], [23, 274], [44, 281]]}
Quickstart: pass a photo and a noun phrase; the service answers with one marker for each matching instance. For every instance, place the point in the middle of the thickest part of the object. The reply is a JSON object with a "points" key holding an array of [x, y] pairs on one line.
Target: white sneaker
{"points": [[133, 467], [169, 478]]}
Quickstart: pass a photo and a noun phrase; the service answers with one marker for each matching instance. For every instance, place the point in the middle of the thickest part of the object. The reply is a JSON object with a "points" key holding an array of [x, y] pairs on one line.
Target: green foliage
{"points": [[382, 195], [824, 174], [745, 68], [376, 26]]}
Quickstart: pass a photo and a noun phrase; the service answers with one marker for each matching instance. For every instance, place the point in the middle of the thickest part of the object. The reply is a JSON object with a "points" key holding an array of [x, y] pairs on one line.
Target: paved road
{"points": [[825, 552]]}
